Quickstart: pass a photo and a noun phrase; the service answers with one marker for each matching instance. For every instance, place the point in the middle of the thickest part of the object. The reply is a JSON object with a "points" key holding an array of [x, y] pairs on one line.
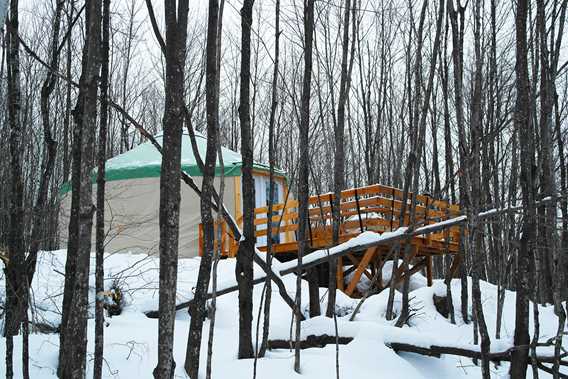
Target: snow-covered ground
{"points": [[131, 338]]}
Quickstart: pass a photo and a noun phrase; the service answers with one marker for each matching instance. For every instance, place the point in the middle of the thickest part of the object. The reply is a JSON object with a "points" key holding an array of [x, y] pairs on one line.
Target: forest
{"points": [[284, 188]]}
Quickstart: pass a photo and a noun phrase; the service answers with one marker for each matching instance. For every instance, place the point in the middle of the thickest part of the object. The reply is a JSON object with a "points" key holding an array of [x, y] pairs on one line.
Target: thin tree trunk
{"points": [[522, 122], [197, 310], [244, 266], [14, 270], [272, 163], [176, 19], [216, 256], [73, 345], [100, 218], [67, 118], [339, 157], [48, 163], [413, 168], [476, 193], [304, 171]]}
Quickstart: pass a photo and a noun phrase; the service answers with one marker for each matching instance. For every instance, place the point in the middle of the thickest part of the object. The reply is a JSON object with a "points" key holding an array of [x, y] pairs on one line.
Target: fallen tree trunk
{"points": [[309, 342], [437, 351], [224, 291], [186, 304]]}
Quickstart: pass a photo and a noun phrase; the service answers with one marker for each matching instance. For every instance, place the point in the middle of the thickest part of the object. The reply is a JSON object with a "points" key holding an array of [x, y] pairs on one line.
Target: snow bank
{"points": [[131, 338]]}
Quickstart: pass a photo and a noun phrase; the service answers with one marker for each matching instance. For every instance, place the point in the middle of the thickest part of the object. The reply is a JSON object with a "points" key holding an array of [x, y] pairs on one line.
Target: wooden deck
{"points": [[374, 208]]}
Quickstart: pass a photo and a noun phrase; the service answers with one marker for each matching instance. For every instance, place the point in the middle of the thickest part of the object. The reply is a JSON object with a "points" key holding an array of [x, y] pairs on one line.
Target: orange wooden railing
{"points": [[375, 207]]}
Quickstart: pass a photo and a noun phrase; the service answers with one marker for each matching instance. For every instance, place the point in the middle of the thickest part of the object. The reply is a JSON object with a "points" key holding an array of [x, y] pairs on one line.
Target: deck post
{"points": [[429, 270], [340, 282]]}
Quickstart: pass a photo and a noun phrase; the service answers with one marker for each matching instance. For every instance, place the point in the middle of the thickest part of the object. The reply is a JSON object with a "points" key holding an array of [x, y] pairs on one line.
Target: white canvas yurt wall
{"points": [[133, 198]]}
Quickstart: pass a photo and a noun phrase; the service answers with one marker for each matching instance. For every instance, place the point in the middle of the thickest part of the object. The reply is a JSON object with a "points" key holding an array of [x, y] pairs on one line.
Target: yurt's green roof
{"points": [[144, 161]]}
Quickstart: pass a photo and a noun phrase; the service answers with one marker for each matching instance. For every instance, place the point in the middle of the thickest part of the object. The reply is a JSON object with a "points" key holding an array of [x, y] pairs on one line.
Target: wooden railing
{"points": [[375, 207]]}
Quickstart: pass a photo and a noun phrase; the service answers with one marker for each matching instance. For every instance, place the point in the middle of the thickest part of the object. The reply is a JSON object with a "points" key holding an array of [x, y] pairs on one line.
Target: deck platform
{"points": [[374, 208]]}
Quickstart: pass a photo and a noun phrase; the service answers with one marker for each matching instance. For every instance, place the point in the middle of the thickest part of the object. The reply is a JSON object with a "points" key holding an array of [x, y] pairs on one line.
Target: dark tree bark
{"points": [[411, 180], [176, 15], [244, 267], [100, 218], [339, 156], [67, 117], [73, 337], [15, 268], [522, 123], [198, 310], [47, 167], [457, 17], [476, 195], [272, 163], [547, 213], [48, 162], [304, 169]]}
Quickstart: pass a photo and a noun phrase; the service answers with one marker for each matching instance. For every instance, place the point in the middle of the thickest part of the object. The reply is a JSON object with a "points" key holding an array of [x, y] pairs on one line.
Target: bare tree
{"points": [[271, 162], [15, 268], [244, 267], [523, 126], [100, 218], [73, 335], [176, 16], [304, 172], [339, 156], [197, 310]]}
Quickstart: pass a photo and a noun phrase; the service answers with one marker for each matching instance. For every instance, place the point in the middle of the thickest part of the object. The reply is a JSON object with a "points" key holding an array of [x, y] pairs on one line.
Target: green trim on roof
{"points": [[144, 161], [153, 171]]}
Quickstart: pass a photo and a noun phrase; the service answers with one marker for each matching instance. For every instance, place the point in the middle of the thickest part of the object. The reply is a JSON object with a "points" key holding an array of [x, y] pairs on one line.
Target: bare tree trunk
{"points": [[476, 193], [244, 267], [216, 256], [73, 345], [519, 359], [413, 168], [67, 117], [197, 310], [547, 213], [304, 171], [271, 162], [339, 157], [100, 218], [457, 23], [47, 166], [176, 16], [15, 268]]}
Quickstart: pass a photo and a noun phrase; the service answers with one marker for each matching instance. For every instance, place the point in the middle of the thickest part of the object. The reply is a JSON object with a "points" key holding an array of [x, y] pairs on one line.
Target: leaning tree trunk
{"points": [[73, 347], [170, 180], [244, 267]]}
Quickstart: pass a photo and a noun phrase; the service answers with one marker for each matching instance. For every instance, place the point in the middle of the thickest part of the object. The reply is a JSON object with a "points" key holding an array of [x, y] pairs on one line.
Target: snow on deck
{"points": [[364, 238]]}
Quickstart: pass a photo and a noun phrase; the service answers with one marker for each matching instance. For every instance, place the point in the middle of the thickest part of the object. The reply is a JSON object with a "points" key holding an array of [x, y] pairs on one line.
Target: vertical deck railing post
{"points": [[392, 210], [358, 210]]}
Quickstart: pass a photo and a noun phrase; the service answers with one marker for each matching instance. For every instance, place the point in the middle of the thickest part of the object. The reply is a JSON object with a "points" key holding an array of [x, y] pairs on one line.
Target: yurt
{"points": [[133, 196]]}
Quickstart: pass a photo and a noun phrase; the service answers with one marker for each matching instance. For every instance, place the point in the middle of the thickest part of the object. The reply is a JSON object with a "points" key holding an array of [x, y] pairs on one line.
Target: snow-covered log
{"points": [[309, 342], [437, 351]]}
